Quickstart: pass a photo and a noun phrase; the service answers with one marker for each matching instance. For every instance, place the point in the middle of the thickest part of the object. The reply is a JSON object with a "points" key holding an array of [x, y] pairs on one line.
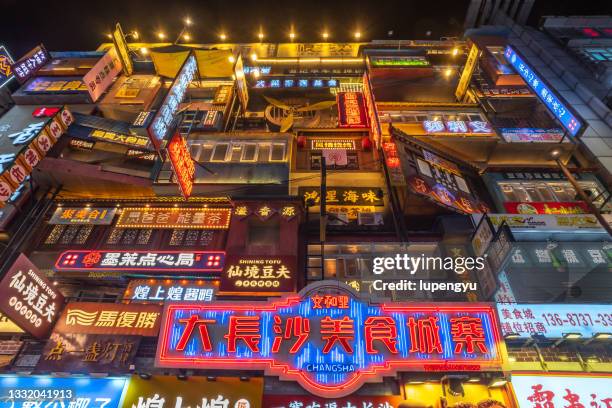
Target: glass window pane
{"points": [[219, 152], [249, 151], [278, 152], [264, 153]]}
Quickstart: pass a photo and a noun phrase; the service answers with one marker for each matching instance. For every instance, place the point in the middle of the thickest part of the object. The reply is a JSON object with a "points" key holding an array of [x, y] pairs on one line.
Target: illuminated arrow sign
{"points": [[328, 340]]}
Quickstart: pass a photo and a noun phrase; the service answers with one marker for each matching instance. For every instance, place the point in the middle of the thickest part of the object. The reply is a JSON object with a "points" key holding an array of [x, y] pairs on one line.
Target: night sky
{"points": [[81, 25]]}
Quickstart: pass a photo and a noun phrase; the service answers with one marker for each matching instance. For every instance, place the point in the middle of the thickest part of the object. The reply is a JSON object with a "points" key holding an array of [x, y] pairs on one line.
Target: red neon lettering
{"points": [[191, 324], [467, 332], [383, 329], [424, 335], [245, 328], [337, 330], [294, 327]]}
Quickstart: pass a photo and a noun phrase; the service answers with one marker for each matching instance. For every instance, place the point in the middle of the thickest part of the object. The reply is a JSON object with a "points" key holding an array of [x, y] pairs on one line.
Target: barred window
{"points": [[181, 237], [69, 234], [129, 236]]}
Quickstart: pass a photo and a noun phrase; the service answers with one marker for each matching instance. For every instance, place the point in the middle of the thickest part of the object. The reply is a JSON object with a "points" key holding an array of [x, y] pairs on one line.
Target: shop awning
{"points": [[211, 63]]}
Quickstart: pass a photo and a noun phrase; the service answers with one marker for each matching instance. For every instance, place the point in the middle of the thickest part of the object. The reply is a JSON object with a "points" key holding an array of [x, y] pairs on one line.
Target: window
{"points": [[182, 237], [219, 152], [263, 233], [264, 153], [278, 152], [69, 234], [129, 236], [236, 152], [249, 152], [205, 153]]}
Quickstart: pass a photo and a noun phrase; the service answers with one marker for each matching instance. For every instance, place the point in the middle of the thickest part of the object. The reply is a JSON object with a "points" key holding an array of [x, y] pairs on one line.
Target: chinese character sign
{"points": [[120, 138], [160, 291], [570, 122], [55, 392], [244, 274], [328, 340], [357, 401], [148, 262], [182, 163], [368, 196], [552, 321], [27, 66], [197, 392], [109, 318], [101, 76], [83, 215], [29, 299], [562, 391], [164, 118], [351, 110], [186, 218], [87, 353]]}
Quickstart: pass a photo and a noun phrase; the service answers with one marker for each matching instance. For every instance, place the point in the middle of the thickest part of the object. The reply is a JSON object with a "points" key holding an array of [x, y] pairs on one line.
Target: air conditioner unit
{"points": [[337, 218], [370, 218]]}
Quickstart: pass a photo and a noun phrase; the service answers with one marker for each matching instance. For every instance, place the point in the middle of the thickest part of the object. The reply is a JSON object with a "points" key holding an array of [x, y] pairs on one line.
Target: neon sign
{"points": [[546, 95], [164, 118], [351, 110], [27, 66], [329, 340], [182, 164], [151, 262]]}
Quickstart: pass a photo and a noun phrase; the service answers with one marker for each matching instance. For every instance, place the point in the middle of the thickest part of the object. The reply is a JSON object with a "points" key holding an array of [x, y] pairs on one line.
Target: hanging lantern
{"points": [[301, 142], [366, 144]]}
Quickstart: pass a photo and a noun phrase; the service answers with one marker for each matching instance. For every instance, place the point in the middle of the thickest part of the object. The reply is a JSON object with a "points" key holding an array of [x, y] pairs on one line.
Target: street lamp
{"points": [[186, 23], [325, 35], [222, 36], [292, 36], [260, 36], [357, 35], [161, 35]]}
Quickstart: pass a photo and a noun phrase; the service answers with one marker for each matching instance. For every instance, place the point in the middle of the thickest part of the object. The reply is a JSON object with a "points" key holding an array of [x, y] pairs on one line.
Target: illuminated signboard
{"points": [[29, 299], [160, 291], [468, 70], [83, 215], [577, 207], [562, 390], [27, 66], [570, 122], [266, 275], [365, 196], [241, 83], [394, 164], [101, 76], [371, 109], [187, 218], [164, 118], [150, 262], [109, 318], [119, 138], [351, 110], [398, 61], [457, 127], [182, 164], [123, 50], [328, 339], [46, 391], [296, 83], [197, 392], [546, 222], [320, 144], [58, 85], [223, 94], [554, 320], [527, 135], [354, 401], [6, 61]]}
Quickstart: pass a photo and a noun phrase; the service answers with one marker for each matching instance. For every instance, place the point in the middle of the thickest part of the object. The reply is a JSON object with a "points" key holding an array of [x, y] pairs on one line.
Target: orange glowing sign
{"points": [[182, 163]]}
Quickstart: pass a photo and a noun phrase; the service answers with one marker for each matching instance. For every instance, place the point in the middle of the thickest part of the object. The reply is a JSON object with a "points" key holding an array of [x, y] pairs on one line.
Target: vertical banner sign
{"points": [[29, 299], [101, 76], [468, 70], [371, 107], [241, 84], [351, 110], [328, 339], [182, 164], [46, 391], [27, 66], [570, 122], [164, 118], [123, 50]]}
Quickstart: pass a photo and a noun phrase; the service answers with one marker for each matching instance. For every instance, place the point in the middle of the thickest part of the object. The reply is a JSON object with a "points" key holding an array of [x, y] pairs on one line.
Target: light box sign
{"points": [[554, 320], [529, 135], [161, 291], [307, 401], [570, 122], [154, 262], [329, 340], [83, 215], [185, 218], [546, 222], [27, 66], [53, 392], [550, 207], [164, 118], [6, 61], [450, 127], [120, 138], [182, 164], [29, 299], [351, 110], [562, 390], [263, 275], [101, 76], [55, 85]]}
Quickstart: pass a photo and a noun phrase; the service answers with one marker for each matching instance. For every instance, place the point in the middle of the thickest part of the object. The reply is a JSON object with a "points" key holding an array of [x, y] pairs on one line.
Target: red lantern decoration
{"points": [[301, 142], [366, 144]]}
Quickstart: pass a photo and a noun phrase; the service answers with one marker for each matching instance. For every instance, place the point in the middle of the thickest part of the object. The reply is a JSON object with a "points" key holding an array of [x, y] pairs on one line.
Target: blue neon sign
{"points": [[58, 392], [552, 102]]}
